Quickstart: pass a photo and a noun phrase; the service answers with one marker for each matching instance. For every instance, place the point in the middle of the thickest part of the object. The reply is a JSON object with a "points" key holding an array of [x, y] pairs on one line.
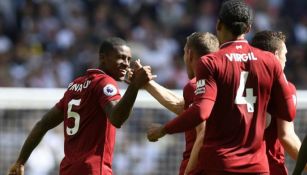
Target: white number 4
{"points": [[250, 99], [76, 116]]}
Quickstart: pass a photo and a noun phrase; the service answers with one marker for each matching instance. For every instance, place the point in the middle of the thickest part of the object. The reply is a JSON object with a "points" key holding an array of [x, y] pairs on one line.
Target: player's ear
{"points": [[276, 53], [190, 55], [102, 58], [248, 28]]}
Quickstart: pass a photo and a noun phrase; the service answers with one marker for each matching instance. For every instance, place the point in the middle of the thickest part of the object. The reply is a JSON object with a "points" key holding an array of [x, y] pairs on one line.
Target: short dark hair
{"points": [[236, 15], [109, 44], [268, 40], [203, 42]]}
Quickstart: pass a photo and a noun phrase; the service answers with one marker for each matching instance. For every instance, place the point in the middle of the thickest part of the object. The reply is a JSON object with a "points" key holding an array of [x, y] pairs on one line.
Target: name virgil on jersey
{"points": [[241, 57]]}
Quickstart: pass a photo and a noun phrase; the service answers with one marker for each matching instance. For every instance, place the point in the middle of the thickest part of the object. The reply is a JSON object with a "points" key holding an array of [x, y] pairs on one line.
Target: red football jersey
{"points": [[240, 79], [274, 149], [190, 136], [89, 135]]}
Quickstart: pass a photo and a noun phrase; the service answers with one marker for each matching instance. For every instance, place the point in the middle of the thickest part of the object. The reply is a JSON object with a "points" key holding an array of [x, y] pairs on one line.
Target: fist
{"points": [[17, 169], [154, 132]]}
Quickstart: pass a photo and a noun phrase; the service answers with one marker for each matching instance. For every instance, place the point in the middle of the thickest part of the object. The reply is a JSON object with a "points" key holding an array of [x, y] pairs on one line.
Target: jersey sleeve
{"points": [[108, 91], [281, 96], [60, 104], [206, 87], [293, 92], [205, 95]]}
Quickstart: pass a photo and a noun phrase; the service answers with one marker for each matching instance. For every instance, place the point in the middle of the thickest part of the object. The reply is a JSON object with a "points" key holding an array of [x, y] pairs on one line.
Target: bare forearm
{"points": [[165, 97], [291, 144], [31, 142], [288, 137], [122, 109]]}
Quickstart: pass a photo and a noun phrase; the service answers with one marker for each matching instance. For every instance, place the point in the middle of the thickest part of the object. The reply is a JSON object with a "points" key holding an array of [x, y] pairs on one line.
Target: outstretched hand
{"points": [[155, 131], [16, 169], [139, 75]]}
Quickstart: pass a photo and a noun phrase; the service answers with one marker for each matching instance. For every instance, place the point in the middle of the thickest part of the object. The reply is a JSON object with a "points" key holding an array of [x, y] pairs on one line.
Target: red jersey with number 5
{"points": [[89, 135], [240, 79]]}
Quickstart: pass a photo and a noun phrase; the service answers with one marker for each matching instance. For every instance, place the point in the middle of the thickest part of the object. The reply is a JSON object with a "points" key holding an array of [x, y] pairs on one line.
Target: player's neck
{"points": [[230, 37]]}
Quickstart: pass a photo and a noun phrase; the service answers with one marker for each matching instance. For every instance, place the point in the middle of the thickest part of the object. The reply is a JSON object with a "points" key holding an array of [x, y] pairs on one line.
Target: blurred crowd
{"points": [[47, 43]]}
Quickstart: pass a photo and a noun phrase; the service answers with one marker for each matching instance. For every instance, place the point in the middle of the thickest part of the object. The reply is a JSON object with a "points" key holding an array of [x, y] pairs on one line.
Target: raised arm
{"points": [[165, 97], [119, 111], [200, 131], [50, 120]]}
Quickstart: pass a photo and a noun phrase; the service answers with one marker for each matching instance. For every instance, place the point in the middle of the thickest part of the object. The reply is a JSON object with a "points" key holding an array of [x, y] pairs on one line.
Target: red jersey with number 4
{"points": [[190, 136], [274, 149], [239, 80], [89, 135]]}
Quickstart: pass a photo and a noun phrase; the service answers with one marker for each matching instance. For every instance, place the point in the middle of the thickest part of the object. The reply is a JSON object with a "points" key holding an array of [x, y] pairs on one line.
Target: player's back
{"points": [[89, 136], [243, 77]]}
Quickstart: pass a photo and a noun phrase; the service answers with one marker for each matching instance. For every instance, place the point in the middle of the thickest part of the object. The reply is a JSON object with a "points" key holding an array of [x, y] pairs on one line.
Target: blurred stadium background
{"points": [[47, 43]]}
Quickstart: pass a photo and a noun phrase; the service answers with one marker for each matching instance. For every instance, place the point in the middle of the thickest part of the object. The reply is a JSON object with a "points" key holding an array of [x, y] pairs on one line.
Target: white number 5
{"points": [[250, 99], [76, 116]]}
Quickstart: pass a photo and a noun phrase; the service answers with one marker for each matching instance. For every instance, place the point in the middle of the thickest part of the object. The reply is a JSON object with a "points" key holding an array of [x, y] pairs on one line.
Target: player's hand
{"points": [[142, 76], [155, 131], [128, 76], [17, 169], [136, 64]]}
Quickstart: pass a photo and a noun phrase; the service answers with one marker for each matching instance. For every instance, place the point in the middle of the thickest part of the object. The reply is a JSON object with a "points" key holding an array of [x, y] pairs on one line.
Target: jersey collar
{"points": [[97, 71], [231, 42]]}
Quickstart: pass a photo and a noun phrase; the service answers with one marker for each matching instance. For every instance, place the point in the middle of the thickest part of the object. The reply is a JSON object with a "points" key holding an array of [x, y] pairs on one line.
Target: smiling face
{"points": [[116, 62]]}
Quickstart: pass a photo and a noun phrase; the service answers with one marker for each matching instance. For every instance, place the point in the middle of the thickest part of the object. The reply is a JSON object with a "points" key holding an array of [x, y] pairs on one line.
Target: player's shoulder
{"points": [[291, 86], [210, 60], [211, 56], [108, 85], [191, 84], [104, 78]]}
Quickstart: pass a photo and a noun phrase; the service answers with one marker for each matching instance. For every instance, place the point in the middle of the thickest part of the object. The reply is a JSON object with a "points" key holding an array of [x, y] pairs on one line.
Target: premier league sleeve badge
{"points": [[109, 90]]}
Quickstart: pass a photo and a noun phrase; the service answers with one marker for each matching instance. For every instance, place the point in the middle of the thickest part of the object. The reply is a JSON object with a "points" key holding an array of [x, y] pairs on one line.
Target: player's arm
{"points": [[165, 97], [281, 97], [118, 111], [200, 131], [288, 138], [188, 120], [204, 100], [301, 159], [50, 120]]}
